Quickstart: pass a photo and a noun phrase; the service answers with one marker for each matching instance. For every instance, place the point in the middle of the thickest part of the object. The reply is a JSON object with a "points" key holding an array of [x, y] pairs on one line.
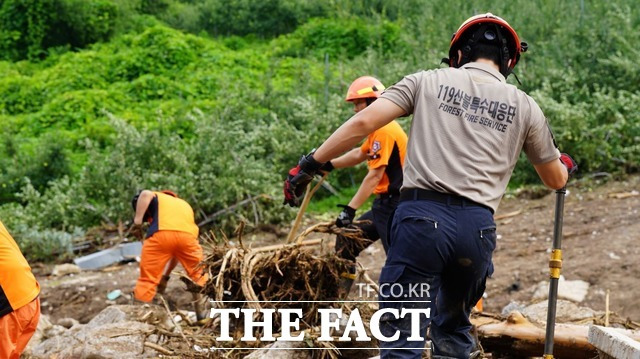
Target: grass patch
{"points": [[330, 204]]}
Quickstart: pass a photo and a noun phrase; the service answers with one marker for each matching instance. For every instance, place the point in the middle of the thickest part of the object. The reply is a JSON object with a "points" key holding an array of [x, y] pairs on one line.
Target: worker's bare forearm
{"points": [[349, 159], [142, 205], [369, 183], [553, 174]]}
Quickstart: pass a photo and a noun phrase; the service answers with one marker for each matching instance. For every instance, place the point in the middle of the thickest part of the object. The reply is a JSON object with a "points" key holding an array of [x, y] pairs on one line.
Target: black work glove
{"points": [[298, 179], [327, 167], [568, 162], [345, 217]]}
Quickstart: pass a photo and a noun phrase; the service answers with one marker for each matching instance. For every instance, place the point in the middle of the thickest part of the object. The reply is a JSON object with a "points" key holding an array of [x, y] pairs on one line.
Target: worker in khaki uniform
{"points": [[468, 129], [172, 237], [384, 151], [19, 301]]}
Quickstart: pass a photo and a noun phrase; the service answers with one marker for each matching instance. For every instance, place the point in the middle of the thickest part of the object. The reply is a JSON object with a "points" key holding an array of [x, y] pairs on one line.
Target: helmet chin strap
{"points": [[504, 53]]}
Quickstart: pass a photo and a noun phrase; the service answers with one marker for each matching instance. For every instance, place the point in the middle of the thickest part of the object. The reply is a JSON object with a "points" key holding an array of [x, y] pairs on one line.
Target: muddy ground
{"points": [[601, 246]]}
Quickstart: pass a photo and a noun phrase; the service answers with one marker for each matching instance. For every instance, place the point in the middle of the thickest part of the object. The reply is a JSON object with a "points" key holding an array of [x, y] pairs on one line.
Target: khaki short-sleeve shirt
{"points": [[468, 129]]}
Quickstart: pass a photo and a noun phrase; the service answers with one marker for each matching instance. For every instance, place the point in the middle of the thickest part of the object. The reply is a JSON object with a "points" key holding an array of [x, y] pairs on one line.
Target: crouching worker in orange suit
{"points": [[19, 302], [172, 237]]}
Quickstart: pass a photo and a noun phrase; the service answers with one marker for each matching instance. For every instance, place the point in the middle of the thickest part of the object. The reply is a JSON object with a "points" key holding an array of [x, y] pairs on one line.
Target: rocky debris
{"points": [[44, 325], [119, 331], [64, 269], [112, 314], [573, 290], [566, 312], [115, 340], [67, 323], [513, 306]]}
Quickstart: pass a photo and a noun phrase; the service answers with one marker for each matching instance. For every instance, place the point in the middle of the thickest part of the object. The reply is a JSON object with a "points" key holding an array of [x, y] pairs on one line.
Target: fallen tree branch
{"points": [[623, 195], [310, 242], [166, 306], [303, 208], [507, 215], [518, 335], [351, 232], [158, 348]]}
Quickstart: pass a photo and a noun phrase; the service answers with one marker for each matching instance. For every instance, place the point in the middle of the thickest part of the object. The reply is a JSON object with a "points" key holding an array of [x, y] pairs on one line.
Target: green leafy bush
{"points": [[263, 18], [24, 25], [348, 38], [84, 22], [47, 245]]}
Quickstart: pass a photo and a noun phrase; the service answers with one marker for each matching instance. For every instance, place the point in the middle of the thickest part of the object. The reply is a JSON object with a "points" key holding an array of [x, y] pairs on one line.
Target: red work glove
{"points": [[568, 162], [298, 179]]}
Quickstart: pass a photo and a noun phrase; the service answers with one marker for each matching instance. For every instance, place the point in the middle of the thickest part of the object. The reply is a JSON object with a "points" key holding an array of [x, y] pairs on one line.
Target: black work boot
{"points": [[162, 286], [200, 307]]}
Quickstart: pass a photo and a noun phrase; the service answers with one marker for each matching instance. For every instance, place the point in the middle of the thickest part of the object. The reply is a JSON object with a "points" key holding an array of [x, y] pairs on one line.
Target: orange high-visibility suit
{"points": [[19, 302], [172, 233]]}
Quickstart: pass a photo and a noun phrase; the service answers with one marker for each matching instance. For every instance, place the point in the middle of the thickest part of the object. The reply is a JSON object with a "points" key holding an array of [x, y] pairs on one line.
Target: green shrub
{"points": [[348, 38], [262, 18], [47, 245], [46, 162], [24, 25], [29, 28], [84, 22]]}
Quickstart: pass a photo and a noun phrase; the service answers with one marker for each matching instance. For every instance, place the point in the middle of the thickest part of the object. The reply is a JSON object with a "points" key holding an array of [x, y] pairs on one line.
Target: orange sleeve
{"points": [[380, 148], [364, 148]]}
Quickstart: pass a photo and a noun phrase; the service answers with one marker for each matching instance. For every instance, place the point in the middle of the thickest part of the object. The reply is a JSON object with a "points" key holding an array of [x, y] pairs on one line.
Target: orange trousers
{"points": [[157, 251], [17, 328]]}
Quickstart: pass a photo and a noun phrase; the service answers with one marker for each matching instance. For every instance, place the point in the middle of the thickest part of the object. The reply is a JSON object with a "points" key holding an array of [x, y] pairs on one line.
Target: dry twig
{"points": [[303, 208], [158, 348], [166, 306]]}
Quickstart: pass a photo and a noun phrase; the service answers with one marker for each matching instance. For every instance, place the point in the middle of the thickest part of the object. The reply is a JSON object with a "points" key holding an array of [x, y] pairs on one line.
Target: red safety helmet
{"points": [[487, 28], [364, 87]]}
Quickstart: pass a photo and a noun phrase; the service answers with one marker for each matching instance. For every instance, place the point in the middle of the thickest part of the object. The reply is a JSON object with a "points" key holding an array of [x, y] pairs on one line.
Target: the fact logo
{"points": [[401, 301], [329, 319]]}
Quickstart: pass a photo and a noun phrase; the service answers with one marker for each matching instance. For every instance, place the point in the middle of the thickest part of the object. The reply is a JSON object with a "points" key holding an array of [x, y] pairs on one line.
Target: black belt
{"points": [[388, 195], [419, 194]]}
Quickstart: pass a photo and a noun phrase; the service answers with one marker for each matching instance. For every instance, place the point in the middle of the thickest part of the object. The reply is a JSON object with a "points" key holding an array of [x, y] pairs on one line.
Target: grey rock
{"points": [[113, 333], [44, 325], [67, 322], [513, 306], [573, 290], [64, 269], [566, 312]]}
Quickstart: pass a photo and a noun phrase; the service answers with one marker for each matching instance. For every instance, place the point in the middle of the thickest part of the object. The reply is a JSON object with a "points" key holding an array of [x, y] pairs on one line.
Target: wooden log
{"points": [[518, 335]]}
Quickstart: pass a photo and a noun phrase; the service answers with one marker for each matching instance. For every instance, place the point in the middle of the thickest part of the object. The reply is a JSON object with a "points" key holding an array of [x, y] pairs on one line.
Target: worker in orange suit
{"points": [[172, 237], [19, 301]]}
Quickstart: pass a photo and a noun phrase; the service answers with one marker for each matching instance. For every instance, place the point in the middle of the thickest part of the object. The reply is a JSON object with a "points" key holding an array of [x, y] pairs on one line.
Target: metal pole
{"points": [[555, 264]]}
